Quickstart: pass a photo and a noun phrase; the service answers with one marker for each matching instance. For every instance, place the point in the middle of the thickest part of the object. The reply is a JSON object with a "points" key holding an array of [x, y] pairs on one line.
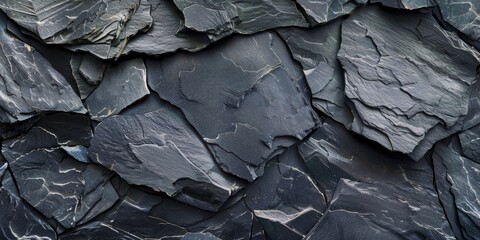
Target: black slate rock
{"points": [[123, 84], [162, 151], [221, 18], [245, 90], [58, 186], [457, 177], [316, 49], [18, 220], [30, 84], [408, 78]]}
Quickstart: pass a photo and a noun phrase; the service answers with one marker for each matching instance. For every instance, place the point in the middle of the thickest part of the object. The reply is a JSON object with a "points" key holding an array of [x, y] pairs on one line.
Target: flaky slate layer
{"points": [[30, 85], [406, 77], [222, 18], [241, 96], [58, 186], [161, 150]]}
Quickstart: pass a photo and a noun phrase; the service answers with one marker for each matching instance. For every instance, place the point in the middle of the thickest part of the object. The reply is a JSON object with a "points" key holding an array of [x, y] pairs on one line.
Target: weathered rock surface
{"points": [[100, 27], [162, 151], [122, 84], [165, 36], [381, 211], [470, 142], [463, 15], [408, 78], [329, 159], [130, 218], [243, 101], [316, 49], [58, 186], [220, 19], [17, 219], [323, 11], [283, 213], [30, 84], [406, 4], [457, 178]]}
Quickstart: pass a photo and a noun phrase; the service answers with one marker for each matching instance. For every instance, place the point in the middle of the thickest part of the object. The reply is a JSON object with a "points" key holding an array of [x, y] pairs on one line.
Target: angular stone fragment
{"points": [[30, 85], [457, 178], [162, 151], [164, 35], [464, 15], [406, 4], [91, 69], [332, 152], [84, 88], [470, 141], [323, 11], [241, 96], [381, 211], [17, 219], [316, 49], [408, 78], [130, 218], [58, 186], [101, 27], [285, 199], [123, 84], [232, 223], [220, 19]]}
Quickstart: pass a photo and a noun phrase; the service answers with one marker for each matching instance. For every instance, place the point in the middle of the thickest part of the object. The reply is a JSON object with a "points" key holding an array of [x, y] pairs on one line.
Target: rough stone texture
{"points": [[162, 151], [463, 15], [406, 77], [100, 27], [381, 211], [29, 83], [316, 49], [285, 214], [323, 11], [332, 152], [220, 19], [130, 218], [58, 186], [457, 178], [164, 35], [123, 84], [248, 106], [406, 4], [18, 220], [470, 141]]}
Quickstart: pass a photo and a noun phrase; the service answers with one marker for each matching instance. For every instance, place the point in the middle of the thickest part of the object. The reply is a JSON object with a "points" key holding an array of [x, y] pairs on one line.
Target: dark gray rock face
{"points": [[406, 4], [161, 150], [130, 218], [381, 211], [243, 101], [470, 142], [30, 84], [316, 49], [58, 186], [100, 27], [408, 79], [164, 36], [345, 156], [221, 18], [457, 178], [323, 11], [123, 84], [463, 15], [18, 220], [283, 213]]}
